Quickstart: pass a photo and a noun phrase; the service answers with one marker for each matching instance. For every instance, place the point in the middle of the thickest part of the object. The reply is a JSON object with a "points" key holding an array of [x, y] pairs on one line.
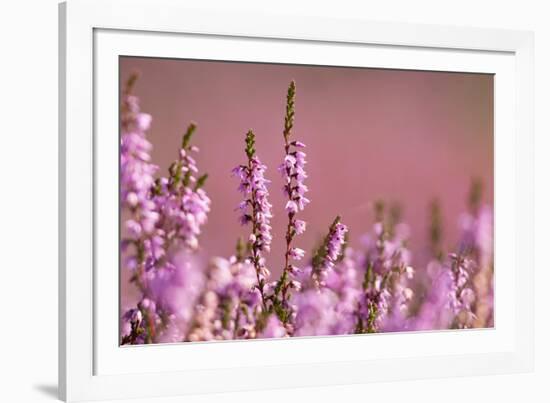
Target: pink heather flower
{"points": [[300, 175], [302, 202], [291, 207], [297, 253], [289, 163], [409, 272], [300, 159], [134, 228], [132, 199], [299, 226], [301, 188], [294, 270], [296, 285]]}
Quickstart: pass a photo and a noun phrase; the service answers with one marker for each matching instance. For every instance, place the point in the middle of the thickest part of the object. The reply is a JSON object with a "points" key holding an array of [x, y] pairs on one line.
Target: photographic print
{"points": [[273, 200]]}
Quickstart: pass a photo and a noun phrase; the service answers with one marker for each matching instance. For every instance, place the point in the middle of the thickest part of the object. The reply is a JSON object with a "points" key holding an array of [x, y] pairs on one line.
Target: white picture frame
{"points": [[93, 33]]}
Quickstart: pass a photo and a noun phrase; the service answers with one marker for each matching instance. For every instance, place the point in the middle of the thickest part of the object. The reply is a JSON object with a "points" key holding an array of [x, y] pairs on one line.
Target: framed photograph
{"points": [[258, 201]]}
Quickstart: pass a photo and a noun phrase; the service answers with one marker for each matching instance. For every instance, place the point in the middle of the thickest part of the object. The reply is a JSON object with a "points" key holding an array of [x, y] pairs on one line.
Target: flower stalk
{"points": [[255, 210], [293, 172]]}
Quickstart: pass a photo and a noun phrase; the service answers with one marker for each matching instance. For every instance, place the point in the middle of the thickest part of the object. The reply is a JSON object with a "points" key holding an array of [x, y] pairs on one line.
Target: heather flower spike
{"points": [[137, 172], [293, 172], [255, 210], [137, 179], [181, 197], [329, 252]]}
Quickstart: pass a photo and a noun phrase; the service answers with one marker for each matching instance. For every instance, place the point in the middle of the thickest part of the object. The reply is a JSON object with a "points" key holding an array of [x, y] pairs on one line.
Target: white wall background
{"points": [[28, 199]]}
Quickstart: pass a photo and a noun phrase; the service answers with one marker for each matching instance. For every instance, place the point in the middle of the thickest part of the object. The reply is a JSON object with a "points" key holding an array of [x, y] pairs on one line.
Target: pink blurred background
{"points": [[403, 136]]}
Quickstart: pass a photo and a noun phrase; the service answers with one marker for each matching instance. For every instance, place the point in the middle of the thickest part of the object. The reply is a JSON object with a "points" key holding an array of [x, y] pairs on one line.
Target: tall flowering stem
{"points": [[142, 237], [293, 172], [255, 210], [137, 178]]}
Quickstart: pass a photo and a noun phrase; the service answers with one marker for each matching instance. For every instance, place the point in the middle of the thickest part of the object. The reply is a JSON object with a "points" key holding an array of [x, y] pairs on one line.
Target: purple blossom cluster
{"points": [[385, 267], [230, 303], [331, 289], [329, 252], [462, 296]]}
